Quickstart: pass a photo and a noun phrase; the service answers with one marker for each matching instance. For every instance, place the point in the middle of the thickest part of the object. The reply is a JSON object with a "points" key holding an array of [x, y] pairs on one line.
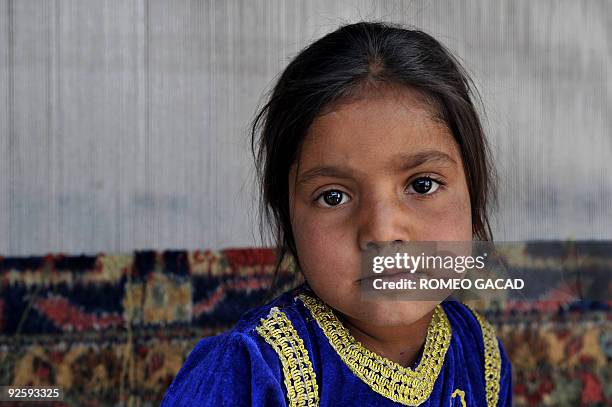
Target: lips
{"points": [[395, 273]]}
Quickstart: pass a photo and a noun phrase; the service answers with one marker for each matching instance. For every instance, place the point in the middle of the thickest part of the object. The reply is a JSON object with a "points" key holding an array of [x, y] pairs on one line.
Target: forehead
{"points": [[367, 131]]}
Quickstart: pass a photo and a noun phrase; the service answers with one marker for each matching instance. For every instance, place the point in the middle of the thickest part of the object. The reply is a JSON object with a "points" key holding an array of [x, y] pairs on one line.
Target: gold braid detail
{"points": [[461, 394], [386, 377], [492, 362], [299, 377]]}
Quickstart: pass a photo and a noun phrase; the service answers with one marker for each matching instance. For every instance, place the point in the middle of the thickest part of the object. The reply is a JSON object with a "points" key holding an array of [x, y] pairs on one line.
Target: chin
{"points": [[387, 313]]}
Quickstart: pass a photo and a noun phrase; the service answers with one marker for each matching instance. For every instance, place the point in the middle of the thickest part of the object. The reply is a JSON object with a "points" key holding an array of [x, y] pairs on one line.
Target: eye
{"points": [[424, 186], [331, 198]]}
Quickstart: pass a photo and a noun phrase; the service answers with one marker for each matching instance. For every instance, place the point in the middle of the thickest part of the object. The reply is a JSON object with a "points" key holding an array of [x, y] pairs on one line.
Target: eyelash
{"points": [[434, 179], [419, 196]]}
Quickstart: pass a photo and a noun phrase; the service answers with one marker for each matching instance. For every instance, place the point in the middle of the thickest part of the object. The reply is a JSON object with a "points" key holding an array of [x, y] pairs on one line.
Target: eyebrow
{"points": [[400, 162]]}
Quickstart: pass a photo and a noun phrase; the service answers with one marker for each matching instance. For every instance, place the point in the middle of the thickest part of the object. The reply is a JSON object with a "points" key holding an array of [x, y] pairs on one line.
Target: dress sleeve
{"points": [[505, 380], [226, 370]]}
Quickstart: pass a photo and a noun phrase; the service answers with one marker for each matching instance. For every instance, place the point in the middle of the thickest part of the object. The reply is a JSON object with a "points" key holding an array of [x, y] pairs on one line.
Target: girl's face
{"points": [[376, 169]]}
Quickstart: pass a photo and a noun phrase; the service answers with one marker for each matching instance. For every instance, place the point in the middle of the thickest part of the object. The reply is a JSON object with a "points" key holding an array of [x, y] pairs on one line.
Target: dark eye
{"points": [[332, 197], [424, 186]]}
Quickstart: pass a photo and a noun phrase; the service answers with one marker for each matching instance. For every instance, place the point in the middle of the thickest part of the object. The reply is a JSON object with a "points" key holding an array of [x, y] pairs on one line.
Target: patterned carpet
{"points": [[115, 329]]}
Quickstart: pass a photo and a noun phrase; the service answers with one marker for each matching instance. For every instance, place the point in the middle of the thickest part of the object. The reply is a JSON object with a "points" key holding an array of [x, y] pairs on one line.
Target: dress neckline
{"points": [[406, 385]]}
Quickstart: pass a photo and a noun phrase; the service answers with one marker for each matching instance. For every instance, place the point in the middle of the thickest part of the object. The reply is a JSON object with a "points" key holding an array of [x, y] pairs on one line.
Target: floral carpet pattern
{"points": [[114, 329]]}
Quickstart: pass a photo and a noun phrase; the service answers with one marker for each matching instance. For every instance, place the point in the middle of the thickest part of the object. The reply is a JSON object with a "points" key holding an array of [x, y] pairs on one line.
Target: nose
{"points": [[383, 222], [377, 244]]}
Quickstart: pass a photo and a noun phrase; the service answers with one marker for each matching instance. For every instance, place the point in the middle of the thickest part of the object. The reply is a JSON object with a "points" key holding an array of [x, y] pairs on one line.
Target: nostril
{"points": [[377, 245], [371, 246]]}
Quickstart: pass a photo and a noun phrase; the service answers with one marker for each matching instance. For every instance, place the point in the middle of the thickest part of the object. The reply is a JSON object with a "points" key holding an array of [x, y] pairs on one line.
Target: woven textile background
{"points": [[116, 328]]}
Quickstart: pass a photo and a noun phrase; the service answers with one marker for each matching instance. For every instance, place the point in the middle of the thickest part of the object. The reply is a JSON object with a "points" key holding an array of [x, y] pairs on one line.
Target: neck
{"points": [[400, 343]]}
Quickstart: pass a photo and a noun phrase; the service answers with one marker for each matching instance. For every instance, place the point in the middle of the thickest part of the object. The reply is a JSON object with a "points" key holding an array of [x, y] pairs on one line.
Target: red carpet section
{"points": [[116, 328]]}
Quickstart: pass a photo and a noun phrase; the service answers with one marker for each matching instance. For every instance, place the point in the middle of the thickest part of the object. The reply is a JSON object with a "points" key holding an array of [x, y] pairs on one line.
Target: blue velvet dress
{"points": [[294, 351]]}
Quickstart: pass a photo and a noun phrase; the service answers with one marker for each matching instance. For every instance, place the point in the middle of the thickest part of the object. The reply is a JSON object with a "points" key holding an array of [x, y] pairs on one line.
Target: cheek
{"points": [[450, 221], [325, 250]]}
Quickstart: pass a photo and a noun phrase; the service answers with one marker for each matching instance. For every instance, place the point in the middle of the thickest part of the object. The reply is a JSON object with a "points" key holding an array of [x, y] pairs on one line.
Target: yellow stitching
{"points": [[492, 362], [299, 377], [461, 395], [386, 377]]}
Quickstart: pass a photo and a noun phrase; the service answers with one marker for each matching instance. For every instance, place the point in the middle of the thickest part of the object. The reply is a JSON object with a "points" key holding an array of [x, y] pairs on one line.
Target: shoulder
{"points": [[469, 324], [253, 318], [478, 335], [238, 362]]}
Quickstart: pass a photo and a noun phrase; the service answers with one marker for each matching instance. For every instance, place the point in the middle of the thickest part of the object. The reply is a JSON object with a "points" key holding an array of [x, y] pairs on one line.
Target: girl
{"points": [[370, 135]]}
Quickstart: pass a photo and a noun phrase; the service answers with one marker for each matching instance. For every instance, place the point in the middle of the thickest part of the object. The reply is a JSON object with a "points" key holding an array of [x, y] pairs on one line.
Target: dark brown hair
{"points": [[341, 65]]}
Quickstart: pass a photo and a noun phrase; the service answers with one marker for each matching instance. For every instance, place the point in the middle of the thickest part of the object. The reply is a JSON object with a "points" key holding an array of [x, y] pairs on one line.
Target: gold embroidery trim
{"points": [[461, 395], [492, 363], [386, 377], [299, 377]]}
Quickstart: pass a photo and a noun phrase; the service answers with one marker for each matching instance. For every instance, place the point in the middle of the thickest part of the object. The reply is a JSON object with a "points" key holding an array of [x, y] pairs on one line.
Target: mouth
{"points": [[395, 274]]}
